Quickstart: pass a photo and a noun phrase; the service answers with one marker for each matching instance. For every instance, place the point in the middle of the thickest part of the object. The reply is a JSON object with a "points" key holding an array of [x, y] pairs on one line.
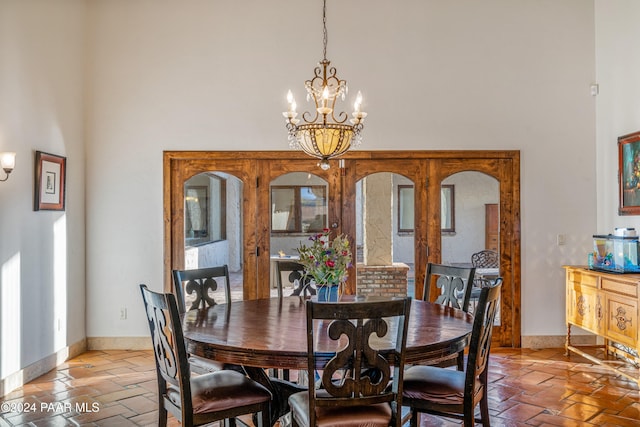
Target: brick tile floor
{"points": [[528, 388]]}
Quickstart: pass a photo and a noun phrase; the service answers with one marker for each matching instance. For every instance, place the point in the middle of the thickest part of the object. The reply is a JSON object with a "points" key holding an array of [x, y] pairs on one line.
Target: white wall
{"points": [[131, 79], [472, 191], [204, 75], [42, 254], [618, 112]]}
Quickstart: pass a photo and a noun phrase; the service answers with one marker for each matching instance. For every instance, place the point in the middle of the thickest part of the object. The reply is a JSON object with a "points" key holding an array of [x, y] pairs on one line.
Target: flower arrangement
{"points": [[326, 261]]}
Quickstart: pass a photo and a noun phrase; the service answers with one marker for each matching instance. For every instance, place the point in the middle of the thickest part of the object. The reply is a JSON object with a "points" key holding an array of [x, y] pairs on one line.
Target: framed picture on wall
{"points": [[50, 180]]}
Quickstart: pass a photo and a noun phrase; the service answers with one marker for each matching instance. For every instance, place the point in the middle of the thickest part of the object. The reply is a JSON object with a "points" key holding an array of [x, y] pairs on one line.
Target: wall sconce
{"points": [[7, 162]]}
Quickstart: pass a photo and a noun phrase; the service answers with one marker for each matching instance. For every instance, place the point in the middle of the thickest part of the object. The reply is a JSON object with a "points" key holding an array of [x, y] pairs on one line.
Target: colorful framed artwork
{"points": [[50, 180], [629, 173]]}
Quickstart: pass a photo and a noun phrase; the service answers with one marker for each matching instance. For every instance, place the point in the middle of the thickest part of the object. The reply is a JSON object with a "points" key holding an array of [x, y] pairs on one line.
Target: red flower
{"points": [[330, 263]]}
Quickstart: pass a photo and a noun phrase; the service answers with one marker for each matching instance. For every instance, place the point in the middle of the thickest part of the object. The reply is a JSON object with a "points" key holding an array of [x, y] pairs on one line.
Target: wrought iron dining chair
{"points": [[201, 399], [302, 283], [197, 284], [485, 259], [455, 285], [450, 393], [346, 397]]}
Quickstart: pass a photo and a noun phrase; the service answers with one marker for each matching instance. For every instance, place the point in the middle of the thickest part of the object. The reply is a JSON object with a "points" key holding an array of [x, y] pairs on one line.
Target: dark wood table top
{"points": [[271, 333]]}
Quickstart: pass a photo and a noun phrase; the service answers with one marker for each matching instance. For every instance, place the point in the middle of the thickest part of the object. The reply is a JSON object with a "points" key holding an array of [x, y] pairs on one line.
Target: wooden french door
{"points": [[178, 168], [268, 172], [413, 169], [426, 169], [507, 172]]}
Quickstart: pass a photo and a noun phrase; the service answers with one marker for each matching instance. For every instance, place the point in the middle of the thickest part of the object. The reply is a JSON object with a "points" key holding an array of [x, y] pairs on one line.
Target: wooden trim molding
{"points": [[427, 169]]}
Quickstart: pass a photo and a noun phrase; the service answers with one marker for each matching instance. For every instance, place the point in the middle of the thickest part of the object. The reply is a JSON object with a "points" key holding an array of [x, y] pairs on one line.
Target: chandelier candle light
{"points": [[322, 134]]}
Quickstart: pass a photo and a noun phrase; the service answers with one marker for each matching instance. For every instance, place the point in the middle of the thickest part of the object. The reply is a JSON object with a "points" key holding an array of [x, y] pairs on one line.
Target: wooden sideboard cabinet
{"points": [[605, 304]]}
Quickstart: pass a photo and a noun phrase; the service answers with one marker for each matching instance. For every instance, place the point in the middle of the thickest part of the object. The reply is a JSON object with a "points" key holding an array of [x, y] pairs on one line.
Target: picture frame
{"points": [[50, 182]]}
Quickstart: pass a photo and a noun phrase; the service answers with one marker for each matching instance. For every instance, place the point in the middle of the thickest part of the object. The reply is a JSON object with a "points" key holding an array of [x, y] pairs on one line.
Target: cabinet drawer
{"points": [[582, 278], [625, 288]]}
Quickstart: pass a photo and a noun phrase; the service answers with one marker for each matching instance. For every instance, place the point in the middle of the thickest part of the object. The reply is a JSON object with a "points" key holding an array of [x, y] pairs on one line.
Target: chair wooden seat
{"points": [[452, 393], [444, 386], [302, 287], [455, 284], [346, 397], [197, 283], [203, 399], [375, 415], [221, 390], [296, 275]]}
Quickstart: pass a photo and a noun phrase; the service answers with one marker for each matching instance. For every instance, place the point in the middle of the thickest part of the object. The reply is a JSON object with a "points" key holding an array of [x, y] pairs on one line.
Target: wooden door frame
{"points": [[413, 169], [275, 168], [248, 166], [507, 172], [179, 166], [427, 171]]}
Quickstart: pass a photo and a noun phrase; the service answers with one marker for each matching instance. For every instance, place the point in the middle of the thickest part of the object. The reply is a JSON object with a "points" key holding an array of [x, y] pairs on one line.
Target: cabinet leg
{"points": [[567, 342]]}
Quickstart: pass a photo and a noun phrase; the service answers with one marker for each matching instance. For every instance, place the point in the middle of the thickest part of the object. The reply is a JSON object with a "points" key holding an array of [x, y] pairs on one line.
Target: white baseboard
{"points": [[555, 341], [41, 367], [119, 343]]}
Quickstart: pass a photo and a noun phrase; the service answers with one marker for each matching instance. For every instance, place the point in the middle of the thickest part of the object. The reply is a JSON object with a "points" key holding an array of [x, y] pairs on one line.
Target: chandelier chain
{"points": [[320, 132], [324, 30]]}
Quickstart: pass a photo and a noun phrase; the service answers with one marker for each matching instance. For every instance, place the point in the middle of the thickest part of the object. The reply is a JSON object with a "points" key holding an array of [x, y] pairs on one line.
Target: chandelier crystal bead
{"points": [[322, 133]]}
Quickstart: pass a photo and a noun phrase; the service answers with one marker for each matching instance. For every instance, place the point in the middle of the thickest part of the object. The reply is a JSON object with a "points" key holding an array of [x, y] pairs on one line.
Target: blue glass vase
{"points": [[328, 293]]}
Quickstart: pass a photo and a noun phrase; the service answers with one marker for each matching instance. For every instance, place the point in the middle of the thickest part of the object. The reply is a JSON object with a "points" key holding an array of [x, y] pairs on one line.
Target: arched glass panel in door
{"points": [[213, 226], [299, 209], [385, 238], [475, 241]]}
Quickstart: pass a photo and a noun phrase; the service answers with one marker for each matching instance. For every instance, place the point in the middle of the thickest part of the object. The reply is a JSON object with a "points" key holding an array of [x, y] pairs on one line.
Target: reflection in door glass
{"points": [[204, 200], [477, 197], [196, 212], [213, 226], [299, 209]]}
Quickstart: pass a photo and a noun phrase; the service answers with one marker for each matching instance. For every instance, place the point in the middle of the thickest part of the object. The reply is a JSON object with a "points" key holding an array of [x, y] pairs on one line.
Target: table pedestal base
{"points": [[280, 389]]}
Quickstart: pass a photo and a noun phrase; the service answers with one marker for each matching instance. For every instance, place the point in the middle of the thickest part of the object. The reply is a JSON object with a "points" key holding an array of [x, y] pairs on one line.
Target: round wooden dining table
{"points": [[271, 333]]}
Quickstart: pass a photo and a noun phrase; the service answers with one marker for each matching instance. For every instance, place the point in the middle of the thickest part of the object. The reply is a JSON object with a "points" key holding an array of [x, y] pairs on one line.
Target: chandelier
{"points": [[322, 134]]}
